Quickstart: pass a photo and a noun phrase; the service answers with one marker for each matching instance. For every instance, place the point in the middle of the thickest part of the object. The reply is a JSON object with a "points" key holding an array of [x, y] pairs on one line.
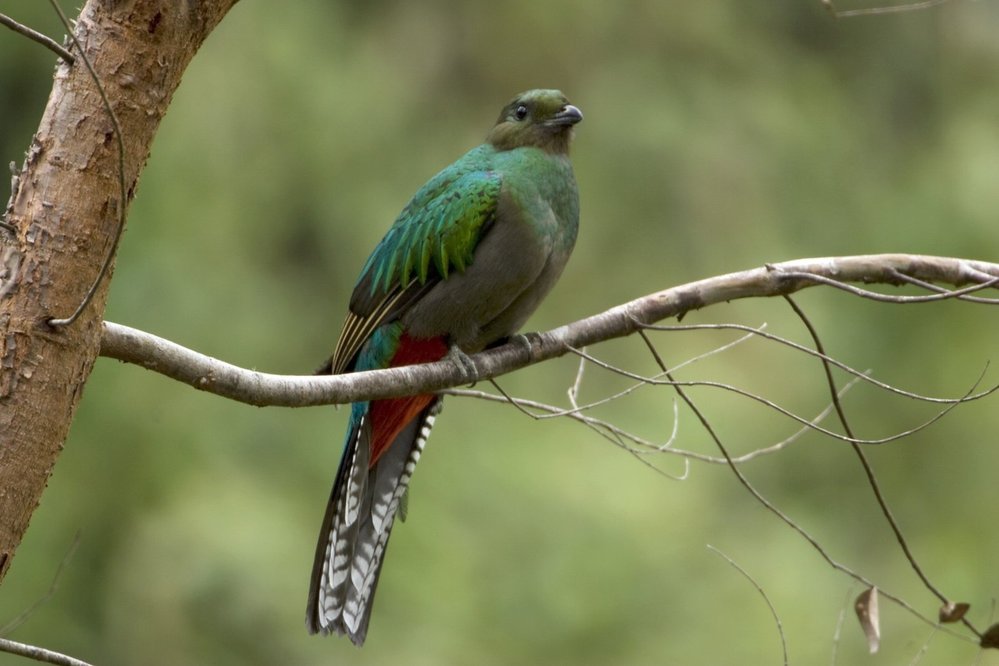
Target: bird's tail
{"points": [[358, 521]]}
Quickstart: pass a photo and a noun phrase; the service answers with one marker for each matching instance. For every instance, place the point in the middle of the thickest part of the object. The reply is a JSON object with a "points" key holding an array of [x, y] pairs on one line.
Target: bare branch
{"points": [[766, 503], [36, 36], [839, 626], [38, 654], [941, 290], [262, 389], [778, 446], [969, 396], [763, 593], [53, 586], [875, 11], [612, 433], [857, 374], [886, 298], [871, 477]]}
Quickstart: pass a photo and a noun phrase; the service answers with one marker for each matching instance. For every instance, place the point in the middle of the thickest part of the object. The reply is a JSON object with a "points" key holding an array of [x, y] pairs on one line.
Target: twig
{"points": [[603, 427], [38, 653], [53, 586], [868, 470], [763, 593], [837, 632], [865, 375], [924, 647], [929, 286], [36, 36], [875, 11], [770, 506], [617, 435], [774, 448], [573, 390], [605, 430], [59, 322], [885, 298], [577, 384], [968, 397]]}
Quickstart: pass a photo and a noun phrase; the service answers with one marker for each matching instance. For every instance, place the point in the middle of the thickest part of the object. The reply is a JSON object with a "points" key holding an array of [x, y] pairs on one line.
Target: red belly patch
{"points": [[390, 416]]}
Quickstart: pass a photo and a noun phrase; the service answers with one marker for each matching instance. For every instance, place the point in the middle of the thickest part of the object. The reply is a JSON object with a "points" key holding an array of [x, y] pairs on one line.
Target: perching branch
{"points": [[262, 389]]}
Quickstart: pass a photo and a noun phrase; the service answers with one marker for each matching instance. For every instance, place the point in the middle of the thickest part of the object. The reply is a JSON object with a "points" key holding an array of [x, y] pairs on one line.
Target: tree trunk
{"points": [[64, 212]]}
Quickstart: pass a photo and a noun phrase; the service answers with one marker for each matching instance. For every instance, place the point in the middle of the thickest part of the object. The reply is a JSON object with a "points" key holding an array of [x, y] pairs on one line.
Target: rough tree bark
{"points": [[64, 213]]}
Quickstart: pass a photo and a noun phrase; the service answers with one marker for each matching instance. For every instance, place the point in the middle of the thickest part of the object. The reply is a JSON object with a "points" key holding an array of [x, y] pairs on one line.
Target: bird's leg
{"points": [[470, 373]]}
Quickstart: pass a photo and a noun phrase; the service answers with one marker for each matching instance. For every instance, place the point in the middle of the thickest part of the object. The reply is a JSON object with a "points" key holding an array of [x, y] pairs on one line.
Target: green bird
{"points": [[462, 268]]}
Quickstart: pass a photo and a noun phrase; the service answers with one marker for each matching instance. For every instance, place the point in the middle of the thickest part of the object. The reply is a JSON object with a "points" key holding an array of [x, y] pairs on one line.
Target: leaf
{"points": [[866, 607]]}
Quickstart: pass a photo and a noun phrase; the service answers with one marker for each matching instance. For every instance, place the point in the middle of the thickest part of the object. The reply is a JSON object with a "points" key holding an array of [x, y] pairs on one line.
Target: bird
{"points": [[461, 269]]}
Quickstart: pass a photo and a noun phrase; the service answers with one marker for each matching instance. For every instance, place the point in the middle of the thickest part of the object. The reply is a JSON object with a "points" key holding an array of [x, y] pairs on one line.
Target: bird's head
{"points": [[539, 118]]}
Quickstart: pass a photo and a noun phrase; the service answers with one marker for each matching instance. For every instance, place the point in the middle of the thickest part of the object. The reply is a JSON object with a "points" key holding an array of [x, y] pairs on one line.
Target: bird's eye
{"points": [[520, 113]]}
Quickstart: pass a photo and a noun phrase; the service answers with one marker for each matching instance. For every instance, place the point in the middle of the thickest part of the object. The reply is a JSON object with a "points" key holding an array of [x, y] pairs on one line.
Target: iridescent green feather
{"points": [[439, 229]]}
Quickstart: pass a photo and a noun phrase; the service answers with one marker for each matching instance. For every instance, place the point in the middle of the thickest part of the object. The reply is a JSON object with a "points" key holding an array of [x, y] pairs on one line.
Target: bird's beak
{"points": [[568, 116]]}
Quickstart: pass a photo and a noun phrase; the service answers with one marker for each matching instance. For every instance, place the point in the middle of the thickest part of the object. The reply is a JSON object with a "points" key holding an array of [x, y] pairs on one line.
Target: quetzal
{"points": [[463, 266]]}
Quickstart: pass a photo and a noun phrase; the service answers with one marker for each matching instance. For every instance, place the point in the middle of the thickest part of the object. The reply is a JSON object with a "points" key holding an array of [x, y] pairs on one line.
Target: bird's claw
{"points": [[524, 341], [469, 373]]}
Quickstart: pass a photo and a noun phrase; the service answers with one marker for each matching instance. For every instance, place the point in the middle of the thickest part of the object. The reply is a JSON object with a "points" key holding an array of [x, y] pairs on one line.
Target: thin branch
{"points": [[784, 443], [924, 648], [618, 436], [53, 586], [573, 390], [524, 406], [577, 384], [968, 397], [886, 298], [767, 504], [763, 593], [847, 603], [864, 376], [929, 286], [36, 36], [555, 412], [39, 654], [876, 11], [868, 470], [122, 195], [606, 430]]}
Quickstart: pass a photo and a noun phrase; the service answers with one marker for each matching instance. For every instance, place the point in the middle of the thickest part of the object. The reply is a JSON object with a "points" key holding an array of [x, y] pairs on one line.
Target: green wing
{"points": [[435, 234], [438, 229]]}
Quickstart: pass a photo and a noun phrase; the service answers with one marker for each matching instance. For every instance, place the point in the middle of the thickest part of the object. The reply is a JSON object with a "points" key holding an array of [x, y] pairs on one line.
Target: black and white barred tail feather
{"points": [[357, 525]]}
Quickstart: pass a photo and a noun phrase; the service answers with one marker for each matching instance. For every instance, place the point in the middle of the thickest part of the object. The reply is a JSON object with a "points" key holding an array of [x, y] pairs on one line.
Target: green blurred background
{"points": [[718, 136]]}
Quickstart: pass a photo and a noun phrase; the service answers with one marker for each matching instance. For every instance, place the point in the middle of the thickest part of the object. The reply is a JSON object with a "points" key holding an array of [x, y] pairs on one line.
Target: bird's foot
{"points": [[523, 340], [469, 373]]}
